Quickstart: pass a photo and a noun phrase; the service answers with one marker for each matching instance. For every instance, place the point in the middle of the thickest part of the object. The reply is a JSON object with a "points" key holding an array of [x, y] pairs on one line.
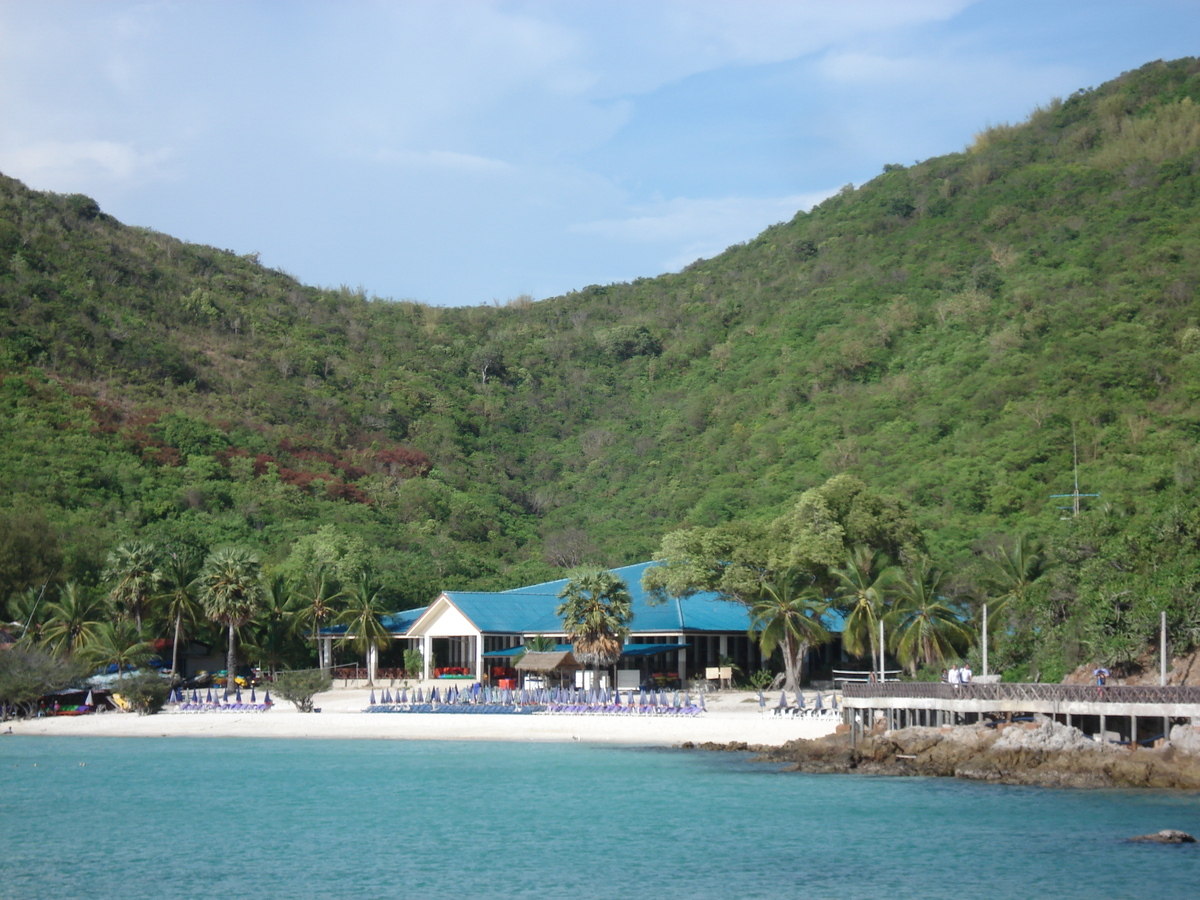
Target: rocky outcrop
{"points": [[1166, 836], [1043, 753]]}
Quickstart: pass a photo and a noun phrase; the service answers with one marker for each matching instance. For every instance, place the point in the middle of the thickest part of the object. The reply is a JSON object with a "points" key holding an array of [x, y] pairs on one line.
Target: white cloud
{"points": [[78, 165], [442, 160], [695, 227]]}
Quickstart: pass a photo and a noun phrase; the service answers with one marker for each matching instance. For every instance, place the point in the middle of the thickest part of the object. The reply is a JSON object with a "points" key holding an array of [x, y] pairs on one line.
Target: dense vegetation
{"points": [[950, 333]]}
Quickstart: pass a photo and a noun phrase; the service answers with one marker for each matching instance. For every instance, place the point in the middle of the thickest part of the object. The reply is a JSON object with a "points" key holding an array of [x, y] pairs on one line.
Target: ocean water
{"points": [[231, 819]]}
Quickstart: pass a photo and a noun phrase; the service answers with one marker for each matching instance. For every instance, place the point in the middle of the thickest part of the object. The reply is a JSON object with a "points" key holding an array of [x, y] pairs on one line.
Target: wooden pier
{"points": [[1109, 712]]}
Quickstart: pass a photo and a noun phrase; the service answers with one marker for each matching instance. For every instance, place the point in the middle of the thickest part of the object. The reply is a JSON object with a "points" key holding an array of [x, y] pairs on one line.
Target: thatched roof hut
{"points": [[551, 661]]}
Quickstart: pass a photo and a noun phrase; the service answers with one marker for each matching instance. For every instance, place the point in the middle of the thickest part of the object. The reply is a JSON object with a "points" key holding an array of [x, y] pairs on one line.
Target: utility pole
{"points": [[1162, 652], [985, 671]]}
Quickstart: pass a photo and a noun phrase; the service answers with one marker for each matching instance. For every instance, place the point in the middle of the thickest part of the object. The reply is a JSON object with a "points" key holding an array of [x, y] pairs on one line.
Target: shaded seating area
{"points": [[481, 699], [183, 702], [820, 709]]}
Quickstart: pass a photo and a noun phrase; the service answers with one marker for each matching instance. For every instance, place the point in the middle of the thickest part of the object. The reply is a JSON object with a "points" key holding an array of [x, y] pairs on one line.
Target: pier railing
{"points": [[1063, 693]]}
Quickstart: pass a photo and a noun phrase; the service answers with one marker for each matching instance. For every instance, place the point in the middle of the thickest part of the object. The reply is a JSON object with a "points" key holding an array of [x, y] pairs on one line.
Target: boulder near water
{"points": [[1166, 836]]}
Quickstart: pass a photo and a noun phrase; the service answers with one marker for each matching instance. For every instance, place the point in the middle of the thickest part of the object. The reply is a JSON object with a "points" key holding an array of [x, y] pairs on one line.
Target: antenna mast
{"points": [[1075, 495]]}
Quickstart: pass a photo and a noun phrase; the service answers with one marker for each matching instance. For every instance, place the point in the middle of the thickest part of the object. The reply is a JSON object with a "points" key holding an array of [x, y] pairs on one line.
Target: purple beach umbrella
{"points": [[209, 699], [267, 697], [372, 699], [253, 698]]}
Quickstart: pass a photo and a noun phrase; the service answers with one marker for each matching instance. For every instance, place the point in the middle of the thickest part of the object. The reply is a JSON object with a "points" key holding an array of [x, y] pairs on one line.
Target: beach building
{"points": [[469, 634]]}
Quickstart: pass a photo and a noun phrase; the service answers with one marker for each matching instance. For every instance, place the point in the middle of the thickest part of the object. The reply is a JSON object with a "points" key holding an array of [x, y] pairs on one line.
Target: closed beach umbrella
{"points": [[403, 695], [783, 699], [800, 699], [237, 695], [253, 698], [372, 700], [267, 697], [818, 703], [419, 697], [209, 698], [833, 701], [762, 701], [702, 706], [88, 701]]}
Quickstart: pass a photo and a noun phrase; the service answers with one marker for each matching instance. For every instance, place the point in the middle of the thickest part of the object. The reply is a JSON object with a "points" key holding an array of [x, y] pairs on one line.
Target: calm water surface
{"points": [[139, 818]]}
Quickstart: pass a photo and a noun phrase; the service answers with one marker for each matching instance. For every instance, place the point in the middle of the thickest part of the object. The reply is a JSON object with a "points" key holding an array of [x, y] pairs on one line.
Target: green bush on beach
{"points": [[300, 687]]}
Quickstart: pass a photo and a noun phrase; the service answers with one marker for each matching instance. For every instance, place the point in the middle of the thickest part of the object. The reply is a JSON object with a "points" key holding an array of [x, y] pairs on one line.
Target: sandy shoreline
{"points": [[729, 719]]}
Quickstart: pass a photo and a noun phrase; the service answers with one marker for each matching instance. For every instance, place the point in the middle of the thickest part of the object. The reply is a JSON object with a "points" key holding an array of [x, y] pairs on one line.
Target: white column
{"points": [[478, 657], [372, 662], [328, 646], [426, 656], [682, 664]]}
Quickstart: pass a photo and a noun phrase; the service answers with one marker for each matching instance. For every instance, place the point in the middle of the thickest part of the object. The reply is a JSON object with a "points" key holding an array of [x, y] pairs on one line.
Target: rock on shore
{"points": [[1044, 753]]}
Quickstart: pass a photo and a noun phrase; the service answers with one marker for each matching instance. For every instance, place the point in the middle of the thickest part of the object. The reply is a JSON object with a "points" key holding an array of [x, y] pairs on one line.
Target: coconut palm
{"points": [[865, 587], [596, 611], [180, 603], [925, 628], [272, 627], [231, 590], [118, 644], [28, 612], [1012, 573], [131, 569], [72, 620], [313, 604], [789, 618], [362, 618]]}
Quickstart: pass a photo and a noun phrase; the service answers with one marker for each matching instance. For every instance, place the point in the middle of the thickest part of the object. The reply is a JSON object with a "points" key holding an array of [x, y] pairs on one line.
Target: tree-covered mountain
{"points": [[952, 333]]}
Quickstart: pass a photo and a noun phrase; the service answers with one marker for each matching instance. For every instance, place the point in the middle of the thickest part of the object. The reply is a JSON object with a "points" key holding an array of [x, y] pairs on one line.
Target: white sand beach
{"points": [[731, 716]]}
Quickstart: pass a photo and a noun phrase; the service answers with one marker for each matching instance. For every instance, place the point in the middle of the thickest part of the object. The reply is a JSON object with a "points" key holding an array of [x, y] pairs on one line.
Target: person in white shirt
{"points": [[955, 675], [964, 674]]}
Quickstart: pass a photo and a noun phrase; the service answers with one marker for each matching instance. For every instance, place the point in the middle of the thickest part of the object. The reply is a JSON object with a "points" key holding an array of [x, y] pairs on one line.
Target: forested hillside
{"points": [[948, 332]]}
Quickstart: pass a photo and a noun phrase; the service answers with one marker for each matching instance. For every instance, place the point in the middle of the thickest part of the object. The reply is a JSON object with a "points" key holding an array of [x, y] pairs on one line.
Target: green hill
{"points": [[948, 332]]}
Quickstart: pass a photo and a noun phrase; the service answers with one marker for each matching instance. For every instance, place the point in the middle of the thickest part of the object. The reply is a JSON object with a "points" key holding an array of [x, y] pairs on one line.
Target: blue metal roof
{"points": [[530, 610], [397, 623], [701, 612]]}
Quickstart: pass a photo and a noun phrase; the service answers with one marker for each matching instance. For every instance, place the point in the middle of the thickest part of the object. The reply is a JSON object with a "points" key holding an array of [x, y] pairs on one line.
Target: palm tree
{"points": [[596, 611], [1012, 572], [73, 619], [231, 590], [313, 606], [362, 620], [118, 644], [782, 616], [272, 626], [180, 569], [865, 587], [132, 571], [28, 610], [925, 628]]}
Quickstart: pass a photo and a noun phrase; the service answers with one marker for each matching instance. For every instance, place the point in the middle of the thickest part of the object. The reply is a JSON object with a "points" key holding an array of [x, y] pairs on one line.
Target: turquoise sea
{"points": [[195, 818]]}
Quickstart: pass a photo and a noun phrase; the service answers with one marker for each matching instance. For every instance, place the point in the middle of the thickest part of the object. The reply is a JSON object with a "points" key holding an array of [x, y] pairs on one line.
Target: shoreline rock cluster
{"points": [[1044, 753]]}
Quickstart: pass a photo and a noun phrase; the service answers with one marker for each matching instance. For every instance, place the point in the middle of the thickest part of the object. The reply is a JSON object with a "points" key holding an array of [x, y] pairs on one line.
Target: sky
{"points": [[470, 152]]}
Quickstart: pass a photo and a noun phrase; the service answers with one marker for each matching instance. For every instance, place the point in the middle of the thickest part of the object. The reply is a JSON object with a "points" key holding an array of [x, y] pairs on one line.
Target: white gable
{"points": [[442, 619]]}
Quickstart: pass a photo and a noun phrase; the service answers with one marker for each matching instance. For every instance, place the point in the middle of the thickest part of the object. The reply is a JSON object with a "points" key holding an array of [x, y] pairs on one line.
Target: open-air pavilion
{"points": [[462, 630]]}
